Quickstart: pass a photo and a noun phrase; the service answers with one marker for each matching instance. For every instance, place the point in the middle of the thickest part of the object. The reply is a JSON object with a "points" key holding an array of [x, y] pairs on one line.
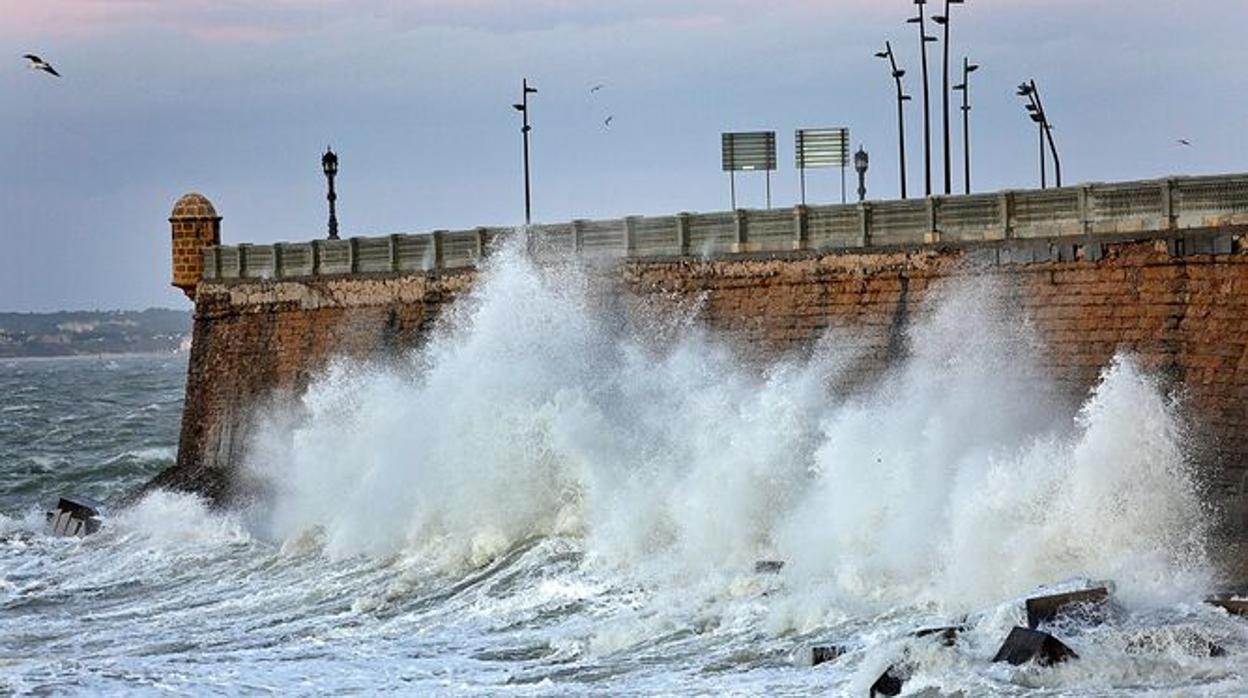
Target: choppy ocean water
{"points": [[541, 502]]}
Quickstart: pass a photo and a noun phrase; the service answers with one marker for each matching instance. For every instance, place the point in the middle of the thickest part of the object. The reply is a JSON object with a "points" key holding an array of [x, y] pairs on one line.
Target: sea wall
{"points": [[1182, 314], [258, 342], [1159, 269]]}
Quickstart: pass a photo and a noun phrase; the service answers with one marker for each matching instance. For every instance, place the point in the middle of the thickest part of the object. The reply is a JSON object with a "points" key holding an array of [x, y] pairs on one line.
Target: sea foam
{"points": [[961, 477]]}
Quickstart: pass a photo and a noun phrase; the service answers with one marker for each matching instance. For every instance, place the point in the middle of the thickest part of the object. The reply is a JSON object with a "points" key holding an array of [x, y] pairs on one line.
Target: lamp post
{"points": [[943, 20], [1035, 108], [1026, 90], [523, 108], [927, 106], [861, 162], [965, 88], [902, 98], [329, 163]]}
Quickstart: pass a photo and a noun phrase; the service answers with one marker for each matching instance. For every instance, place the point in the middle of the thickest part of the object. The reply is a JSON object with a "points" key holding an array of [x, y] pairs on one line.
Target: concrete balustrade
{"points": [[1067, 215]]}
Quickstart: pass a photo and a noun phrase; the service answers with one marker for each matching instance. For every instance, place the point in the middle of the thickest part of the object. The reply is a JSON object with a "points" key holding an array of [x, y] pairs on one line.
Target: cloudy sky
{"points": [[238, 98]]}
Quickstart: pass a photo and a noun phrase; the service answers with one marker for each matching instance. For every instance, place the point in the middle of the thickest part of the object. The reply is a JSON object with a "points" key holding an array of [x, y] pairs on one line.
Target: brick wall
{"points": [[262, 341], [1186, 316]]}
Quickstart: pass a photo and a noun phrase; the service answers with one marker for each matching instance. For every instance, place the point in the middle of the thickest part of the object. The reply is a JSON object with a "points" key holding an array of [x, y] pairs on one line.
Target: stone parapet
{"points": [[1070, 215]]}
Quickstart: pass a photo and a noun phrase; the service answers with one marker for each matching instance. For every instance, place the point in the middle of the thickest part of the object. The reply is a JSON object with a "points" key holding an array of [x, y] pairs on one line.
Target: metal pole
{"points": [[1044, 181], [768, 190], [1057, 162], [528, 200], [333, 213], [861, 169], [966, 122], [927, 105], [842, 180], [901, 119], [1046, 129], [732, 188], [945, 97], [801, 174]]}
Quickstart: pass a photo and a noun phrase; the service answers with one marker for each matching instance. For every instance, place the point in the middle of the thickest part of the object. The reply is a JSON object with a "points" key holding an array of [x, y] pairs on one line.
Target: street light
{"points": [[861, 161], [965, 88], [927, 107], [329, 163], [523, 108], [902, 98], [1026, 90], [943, 20], [1035, 109]]}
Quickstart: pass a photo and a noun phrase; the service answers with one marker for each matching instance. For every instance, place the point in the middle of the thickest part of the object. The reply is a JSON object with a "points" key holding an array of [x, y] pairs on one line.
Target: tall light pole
{"points": [[1035, 107], [329, 165], [1026, 90], [921, 20], [943, 20], [965, 88], [1048, 131], [902, 98], [523, 108]]}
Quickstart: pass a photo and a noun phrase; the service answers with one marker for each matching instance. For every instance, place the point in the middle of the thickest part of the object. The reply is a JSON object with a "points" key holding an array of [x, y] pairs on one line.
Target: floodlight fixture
{"points": [[523, 108], [965, 88], [924, 40], [902, 98], [945, 20], [1035, 110]]}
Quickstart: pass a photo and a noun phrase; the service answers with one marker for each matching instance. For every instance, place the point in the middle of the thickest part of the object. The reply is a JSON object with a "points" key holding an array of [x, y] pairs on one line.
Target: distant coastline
{"points": [[156, 331]]}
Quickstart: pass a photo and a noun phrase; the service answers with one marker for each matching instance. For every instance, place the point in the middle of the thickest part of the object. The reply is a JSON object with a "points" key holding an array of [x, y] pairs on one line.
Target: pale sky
{"points": [[237, 99]]}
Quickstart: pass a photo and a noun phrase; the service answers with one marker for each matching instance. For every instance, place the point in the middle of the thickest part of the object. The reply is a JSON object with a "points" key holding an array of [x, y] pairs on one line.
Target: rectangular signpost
{"points": [[749, 152], [822, 147]]}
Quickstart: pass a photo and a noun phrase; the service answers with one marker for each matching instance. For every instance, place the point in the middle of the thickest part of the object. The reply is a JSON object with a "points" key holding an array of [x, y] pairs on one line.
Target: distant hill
{"points": [[76, 333]]}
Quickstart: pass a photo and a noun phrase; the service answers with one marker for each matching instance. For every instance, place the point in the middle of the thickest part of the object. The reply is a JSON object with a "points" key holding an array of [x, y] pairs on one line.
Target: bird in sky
{"points": [[1185, 142], [597, 87], [607, 123], [37, 63]]}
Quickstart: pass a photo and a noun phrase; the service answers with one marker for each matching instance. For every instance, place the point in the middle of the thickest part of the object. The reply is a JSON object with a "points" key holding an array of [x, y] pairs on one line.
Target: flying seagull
{"points": [[607, 123], [37, 63], [1184, 141], [597, 87]]}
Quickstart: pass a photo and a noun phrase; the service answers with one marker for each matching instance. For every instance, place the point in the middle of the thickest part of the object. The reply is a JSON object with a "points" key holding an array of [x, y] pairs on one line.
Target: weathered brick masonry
{"points": [[1183, 315], [1157, 268], [255, 342]]}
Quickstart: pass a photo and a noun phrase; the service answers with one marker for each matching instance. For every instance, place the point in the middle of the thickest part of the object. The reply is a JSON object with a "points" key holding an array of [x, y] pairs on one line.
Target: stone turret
{"points": [[195, 225]]}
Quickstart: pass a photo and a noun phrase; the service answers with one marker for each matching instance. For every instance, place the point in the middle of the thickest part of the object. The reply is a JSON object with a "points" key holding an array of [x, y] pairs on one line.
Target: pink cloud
{"points": [[242, 20], [230, 20]]}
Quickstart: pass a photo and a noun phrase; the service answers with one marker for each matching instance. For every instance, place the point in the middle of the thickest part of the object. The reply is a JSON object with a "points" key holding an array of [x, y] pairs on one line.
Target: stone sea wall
{"points": [[1156, 268], [1178, 303]]}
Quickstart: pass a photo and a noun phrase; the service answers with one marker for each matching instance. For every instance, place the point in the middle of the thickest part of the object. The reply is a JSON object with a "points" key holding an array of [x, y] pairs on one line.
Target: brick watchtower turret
{"points": [[195, 225]]}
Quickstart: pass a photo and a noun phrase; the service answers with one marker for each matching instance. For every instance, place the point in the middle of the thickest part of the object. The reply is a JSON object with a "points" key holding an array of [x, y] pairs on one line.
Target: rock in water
{"points": [[947, 635], [1024, 644], [1090, 603], [890, 682], [75, 516], [820, 654]]}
